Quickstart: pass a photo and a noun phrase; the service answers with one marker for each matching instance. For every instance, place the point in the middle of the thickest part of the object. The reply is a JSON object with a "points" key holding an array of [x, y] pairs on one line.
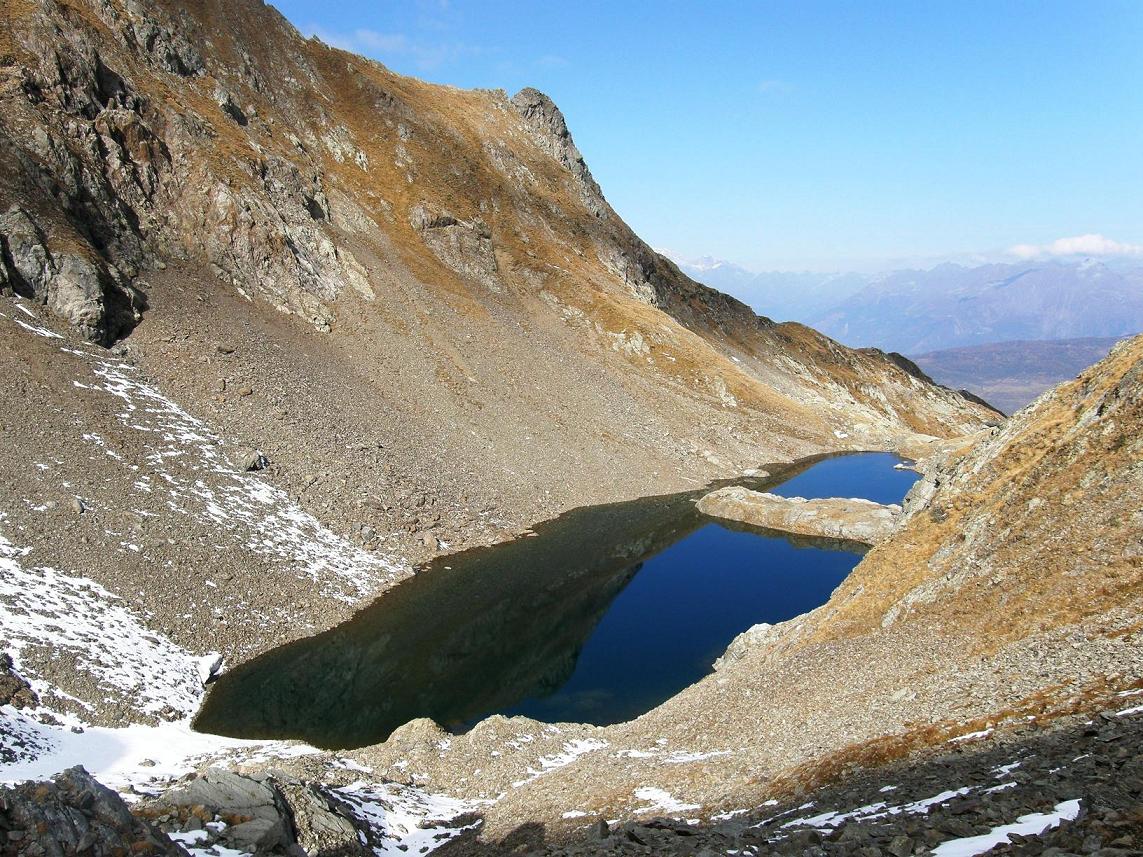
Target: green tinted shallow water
{"points": [[606, 612]]}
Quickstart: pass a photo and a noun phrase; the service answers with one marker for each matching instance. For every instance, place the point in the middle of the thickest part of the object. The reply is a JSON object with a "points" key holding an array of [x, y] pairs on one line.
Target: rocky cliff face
{"points": [[140, 136]]}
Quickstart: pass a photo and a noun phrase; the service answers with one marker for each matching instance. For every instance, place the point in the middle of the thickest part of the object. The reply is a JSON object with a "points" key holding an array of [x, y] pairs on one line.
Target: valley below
{"points": [[1009, 375]]}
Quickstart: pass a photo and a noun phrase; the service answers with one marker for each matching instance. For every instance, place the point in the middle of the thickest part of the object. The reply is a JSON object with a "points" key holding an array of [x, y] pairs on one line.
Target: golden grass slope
{"points": [[1039, 527]]}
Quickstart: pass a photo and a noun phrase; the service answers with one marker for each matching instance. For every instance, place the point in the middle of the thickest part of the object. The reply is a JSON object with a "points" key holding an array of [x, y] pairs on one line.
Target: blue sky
{"points": [[813, 135]]}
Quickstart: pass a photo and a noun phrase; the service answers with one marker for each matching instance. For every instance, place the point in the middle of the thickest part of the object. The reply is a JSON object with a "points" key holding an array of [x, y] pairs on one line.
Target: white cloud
{"points": [[1078, 245]]}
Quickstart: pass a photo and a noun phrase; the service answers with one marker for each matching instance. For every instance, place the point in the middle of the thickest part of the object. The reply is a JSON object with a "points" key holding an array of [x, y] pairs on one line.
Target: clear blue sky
{"points": [[809, 134]]}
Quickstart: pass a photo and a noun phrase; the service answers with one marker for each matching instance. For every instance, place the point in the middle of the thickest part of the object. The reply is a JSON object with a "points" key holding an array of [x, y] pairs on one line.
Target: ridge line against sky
{"points": [[814, 135]]}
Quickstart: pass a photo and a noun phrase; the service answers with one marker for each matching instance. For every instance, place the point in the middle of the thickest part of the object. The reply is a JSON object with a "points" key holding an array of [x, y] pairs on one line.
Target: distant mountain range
{"points": [[1009, 375], [952, 306], [1005, 332], [780, 295], [949, 306]]}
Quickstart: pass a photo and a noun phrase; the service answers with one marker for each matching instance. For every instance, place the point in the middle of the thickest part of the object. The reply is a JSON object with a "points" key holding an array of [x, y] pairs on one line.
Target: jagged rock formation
{"points": [[75, 814]]}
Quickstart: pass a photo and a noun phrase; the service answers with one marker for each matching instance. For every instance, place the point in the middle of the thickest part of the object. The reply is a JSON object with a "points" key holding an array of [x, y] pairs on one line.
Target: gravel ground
{"points": [[1091, 768]]}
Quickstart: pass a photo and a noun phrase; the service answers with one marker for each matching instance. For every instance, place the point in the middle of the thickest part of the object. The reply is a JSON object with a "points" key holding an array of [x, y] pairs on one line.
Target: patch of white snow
{"points": [[409, 820], [661, 801], [1033, 824]]}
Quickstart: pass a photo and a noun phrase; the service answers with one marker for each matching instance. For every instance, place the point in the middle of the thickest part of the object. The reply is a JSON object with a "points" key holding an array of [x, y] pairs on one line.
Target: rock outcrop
{"points": [[74, 283], [263, 814], [835, 518], [75, 814], [14, 688]]}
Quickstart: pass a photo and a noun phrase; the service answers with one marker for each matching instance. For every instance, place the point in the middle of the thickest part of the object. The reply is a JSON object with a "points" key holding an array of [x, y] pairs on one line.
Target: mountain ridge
{"points": [[949, 305]]}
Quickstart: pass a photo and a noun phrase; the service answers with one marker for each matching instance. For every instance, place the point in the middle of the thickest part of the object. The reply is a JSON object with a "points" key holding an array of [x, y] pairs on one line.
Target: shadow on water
{"points": [[597, 617]]}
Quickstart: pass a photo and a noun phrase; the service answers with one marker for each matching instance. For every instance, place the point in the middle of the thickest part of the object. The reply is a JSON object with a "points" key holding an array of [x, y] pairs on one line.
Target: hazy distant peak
{"points": [[702, 263]]}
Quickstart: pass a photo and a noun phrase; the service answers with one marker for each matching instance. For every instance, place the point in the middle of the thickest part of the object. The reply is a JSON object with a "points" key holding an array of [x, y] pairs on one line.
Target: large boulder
{"points": [[74, 814], [75, 284], [321, 826], [14, 689], [264, 819], [267, 814]]}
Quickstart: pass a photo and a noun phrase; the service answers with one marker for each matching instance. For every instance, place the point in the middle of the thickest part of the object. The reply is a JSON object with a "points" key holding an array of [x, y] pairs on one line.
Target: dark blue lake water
{"points": [[869, 474], [605, 613]]}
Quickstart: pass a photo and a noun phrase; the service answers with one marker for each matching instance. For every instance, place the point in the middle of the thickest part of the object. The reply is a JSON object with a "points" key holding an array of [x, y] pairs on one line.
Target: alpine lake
{"points": [[596, 617]]}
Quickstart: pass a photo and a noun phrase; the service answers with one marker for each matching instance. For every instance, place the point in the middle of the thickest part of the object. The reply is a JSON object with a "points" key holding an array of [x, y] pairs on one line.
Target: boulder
{"points": [[271, 814], [254, 459], [78, 286], [75, 814], [256, 835], [225, 792], [321, 825], [465, 246], [14, 690]]}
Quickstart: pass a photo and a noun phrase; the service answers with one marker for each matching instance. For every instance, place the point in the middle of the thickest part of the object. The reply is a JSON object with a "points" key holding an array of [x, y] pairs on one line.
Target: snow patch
{"points": [[726, 816], [679, 757], [39, 331], [870, 812], [209, 666], [194, 841], [675, 757], [79, 619], [661, 801], [1033, 824], [571, 751], [261, 516], [116, 757], [410, 821], [971, 736]]}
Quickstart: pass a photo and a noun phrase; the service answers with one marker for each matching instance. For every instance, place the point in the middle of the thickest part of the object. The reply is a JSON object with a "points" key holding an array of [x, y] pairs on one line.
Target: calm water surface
{"points": [[605, 613]]}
